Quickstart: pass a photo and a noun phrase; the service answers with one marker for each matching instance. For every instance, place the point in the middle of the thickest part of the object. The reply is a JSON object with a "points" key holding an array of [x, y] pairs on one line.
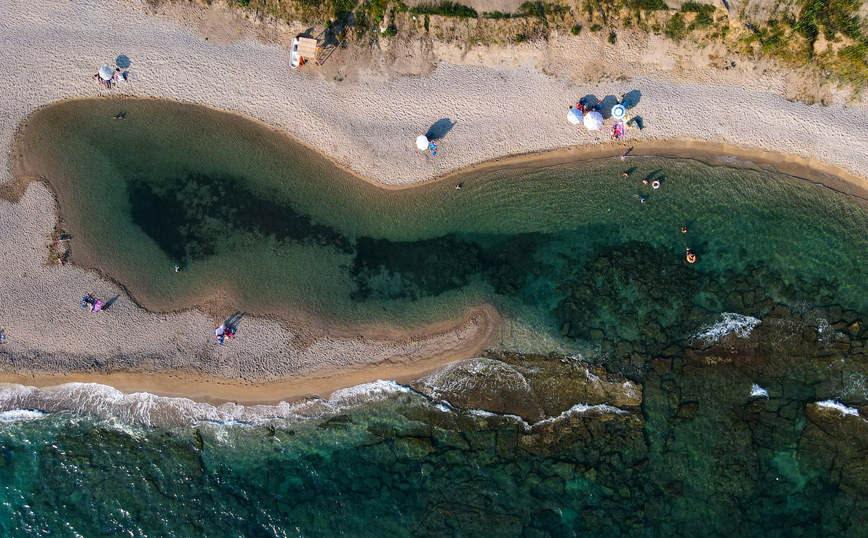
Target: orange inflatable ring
{"points": [[691, 257]]}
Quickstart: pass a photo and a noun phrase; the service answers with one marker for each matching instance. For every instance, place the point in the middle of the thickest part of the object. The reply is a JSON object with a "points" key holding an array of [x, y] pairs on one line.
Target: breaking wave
{"points": [[832, 405], [729, 323], [757, 391], [21, 415], [21, 403], [18, 402]]}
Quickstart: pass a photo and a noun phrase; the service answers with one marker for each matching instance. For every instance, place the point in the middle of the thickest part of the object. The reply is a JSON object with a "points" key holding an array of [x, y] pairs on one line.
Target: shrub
{"points": [[696, 7], [648, 5], [613, 38], [576, 30], [446, 9], [676, 28], [494, 15], [596, 28], [520, 38], [533, 9], [391, 31]]}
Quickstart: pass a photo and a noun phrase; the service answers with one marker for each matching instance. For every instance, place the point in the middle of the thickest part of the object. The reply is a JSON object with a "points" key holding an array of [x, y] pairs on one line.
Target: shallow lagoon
{"points": [[262, 224]]}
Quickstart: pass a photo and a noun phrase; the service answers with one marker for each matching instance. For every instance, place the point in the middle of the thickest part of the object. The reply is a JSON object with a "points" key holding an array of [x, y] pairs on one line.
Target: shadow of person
{"points": [[110, 302], [123, 61], [440, 128], [591, 100], [234, 320], [631, 99]]}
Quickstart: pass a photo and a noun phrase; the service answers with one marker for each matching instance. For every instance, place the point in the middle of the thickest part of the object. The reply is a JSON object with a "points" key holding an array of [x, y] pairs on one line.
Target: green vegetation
{"points": [[825, 34], [446, 9], [704, 14], [541, 10], [832, 17], [648, 5], [676, 28]]}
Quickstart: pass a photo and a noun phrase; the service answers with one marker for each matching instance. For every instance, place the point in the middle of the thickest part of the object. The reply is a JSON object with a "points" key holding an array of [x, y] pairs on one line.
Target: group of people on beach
{"points": [[622, 121], [92, 304], [117, 76], [224, 332]]}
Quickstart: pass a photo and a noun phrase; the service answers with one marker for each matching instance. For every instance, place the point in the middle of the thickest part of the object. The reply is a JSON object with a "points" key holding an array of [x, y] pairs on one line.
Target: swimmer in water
{"points": [[684, 229], [177, 268], [626, 175], [458, 187]]}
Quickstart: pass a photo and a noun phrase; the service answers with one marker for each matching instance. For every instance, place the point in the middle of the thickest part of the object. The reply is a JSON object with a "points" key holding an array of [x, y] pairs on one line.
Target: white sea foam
{"points": [[757, 391], [21, 415], [466, 376], [728, 323], [146, 409], [585, 410], [839, 407], [576, 410]]}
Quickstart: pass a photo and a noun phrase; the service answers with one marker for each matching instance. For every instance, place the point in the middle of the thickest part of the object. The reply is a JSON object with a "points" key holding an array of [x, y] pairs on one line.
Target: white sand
{"points": [[501, 100]]}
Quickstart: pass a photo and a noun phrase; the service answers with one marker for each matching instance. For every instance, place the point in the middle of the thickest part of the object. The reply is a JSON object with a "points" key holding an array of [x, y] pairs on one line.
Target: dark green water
{"points": [[652, 431]]}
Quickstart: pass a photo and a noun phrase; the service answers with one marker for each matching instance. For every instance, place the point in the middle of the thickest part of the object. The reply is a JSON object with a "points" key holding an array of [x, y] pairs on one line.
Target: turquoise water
{"points": [[647, 428]]}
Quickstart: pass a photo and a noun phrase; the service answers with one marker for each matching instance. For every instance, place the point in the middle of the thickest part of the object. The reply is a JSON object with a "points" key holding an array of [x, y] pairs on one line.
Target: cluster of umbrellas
{"points": [[593, 120]]}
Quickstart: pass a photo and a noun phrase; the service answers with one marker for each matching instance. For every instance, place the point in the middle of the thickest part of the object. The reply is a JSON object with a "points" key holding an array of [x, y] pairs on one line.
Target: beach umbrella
{"points": [[574, 116], [422, 142], [618, 112], [593, 120], [105, 72]]}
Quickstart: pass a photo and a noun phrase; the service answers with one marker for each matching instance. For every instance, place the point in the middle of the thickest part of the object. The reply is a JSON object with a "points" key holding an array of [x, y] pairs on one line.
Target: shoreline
{"points": [[216, 391], [504, 107], [706, 151]]}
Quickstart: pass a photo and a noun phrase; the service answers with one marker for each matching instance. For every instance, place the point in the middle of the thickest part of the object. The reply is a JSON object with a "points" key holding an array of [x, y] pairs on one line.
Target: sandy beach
{"points": [[365, 116]]}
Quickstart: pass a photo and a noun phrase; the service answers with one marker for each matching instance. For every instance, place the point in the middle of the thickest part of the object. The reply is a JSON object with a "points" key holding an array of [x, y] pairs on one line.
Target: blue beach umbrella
{"points": [[574, 116], [618, 112]]}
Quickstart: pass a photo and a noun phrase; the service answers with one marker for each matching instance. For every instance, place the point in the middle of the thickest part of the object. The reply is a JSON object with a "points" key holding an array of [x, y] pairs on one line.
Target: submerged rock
{"points": [[533, 388]]}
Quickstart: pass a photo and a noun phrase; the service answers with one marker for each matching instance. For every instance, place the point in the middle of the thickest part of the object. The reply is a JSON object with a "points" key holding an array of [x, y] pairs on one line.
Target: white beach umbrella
{"points": [[593, 120], [422, 142], [574, 116], [105, 72], [618, 112]]}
